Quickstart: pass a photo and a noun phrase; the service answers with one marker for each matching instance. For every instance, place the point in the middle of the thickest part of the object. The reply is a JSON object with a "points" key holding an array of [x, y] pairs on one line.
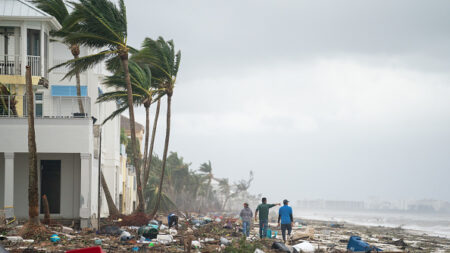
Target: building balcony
{"points": [[12, 64], [12, 106]]}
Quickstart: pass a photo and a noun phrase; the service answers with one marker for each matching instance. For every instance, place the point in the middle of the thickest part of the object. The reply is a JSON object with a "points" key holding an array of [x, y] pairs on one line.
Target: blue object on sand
{"points": [[55, 238], [355, 244]]}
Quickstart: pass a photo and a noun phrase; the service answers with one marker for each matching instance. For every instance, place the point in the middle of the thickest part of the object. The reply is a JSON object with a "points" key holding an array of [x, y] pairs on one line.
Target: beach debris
{"points": [[280, 246], [55, 238], [224, 241], [355, 244], [148, 231], [196, 244], [307, 234], [258, 251], [164, 239], [98, 241], [13, 238], [304, 247], [173, 232], [67, 230], [125, 236], [110, 230], [400, 243], [87, 250]]}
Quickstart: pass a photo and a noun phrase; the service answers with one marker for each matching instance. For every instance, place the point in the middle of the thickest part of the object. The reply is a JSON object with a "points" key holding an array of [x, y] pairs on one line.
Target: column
{"points": [[9, 185], [42, 49], [85, 187], [23, 48]]}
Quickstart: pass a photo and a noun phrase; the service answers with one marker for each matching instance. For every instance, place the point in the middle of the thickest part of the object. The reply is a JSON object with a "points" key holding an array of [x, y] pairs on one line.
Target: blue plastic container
{"points": [[269, 233]]}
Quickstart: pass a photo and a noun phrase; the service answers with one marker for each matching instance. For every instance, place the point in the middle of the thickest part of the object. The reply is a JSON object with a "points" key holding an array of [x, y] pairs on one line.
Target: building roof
{"points": [[125, 123], [21, 9]]}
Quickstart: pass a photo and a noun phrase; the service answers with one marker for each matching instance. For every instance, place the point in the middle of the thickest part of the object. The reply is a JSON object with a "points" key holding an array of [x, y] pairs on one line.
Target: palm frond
{"points": [[115, 113]]}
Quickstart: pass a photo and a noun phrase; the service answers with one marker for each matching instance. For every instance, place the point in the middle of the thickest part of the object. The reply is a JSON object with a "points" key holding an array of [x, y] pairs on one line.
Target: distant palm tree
{"points": [[102, 25], [164, 62], [58, 9], [206, 169]]}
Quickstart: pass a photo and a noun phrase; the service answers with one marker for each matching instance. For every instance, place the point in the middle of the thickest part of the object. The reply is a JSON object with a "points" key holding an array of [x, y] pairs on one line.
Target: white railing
{"points": [[35, 64], [45, 106], [10, 64]]}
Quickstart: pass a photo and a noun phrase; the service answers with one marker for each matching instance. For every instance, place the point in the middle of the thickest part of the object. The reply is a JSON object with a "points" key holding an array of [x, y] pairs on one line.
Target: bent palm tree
{"points": [[102, 25], [58, 9], [143, 92], [164, 62]]}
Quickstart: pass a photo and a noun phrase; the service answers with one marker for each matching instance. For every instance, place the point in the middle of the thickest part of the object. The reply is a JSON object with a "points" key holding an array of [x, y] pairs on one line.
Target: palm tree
{"points": [[33, 198], [102, 25], [143, 92], [163, 60], [58, 9], [206, 169], [8, 101]]}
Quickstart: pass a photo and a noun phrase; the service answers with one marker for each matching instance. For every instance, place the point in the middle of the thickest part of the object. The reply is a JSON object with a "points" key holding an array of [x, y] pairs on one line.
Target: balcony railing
{"points": [[45, 106], [12, 64]]}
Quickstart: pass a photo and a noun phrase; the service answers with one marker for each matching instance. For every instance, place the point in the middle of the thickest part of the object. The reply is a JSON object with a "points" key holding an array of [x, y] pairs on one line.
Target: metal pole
{"points": [[99, 176]]}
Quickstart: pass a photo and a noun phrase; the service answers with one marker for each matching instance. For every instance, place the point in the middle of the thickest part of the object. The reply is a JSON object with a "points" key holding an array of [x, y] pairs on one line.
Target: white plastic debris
{"points": [[164, 239], [304, 247], [258, 251], [28, 240], [218, 220], [173, 232], [224, 241], [125, 236], [209, 240], [14, 238], [163, 227], [196, 244]]}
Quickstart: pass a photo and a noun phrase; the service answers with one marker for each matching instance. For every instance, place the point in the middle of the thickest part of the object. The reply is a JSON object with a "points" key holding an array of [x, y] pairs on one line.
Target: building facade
{"points": [[67, 139]]}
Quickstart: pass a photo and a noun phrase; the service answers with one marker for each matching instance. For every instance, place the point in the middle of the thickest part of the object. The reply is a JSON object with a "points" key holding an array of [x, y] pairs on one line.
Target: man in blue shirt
{"points": [[285, 215]]}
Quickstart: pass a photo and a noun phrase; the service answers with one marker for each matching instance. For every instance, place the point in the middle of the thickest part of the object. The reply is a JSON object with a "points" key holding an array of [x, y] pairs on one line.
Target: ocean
{"points": [[428, 223]]}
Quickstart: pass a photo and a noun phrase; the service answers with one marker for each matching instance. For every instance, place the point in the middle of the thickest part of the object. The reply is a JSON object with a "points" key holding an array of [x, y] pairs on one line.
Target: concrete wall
{"points": [[70, 184], [52, 135]]}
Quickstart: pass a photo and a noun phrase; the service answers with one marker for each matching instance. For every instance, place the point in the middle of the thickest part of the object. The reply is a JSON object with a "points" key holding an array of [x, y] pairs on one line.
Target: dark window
{"points": [[51, 184]]}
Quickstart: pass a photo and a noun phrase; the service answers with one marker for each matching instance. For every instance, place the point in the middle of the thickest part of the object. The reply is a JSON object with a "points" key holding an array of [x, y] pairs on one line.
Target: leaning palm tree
{"points": [[58, 9], [206, 170], [144, 91], [102, 25], [164, 62]]}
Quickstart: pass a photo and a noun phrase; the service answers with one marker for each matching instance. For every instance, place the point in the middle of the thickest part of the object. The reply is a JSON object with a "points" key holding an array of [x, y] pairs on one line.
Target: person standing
{"points": [[246, 216], [263, 210], [286, 218]]}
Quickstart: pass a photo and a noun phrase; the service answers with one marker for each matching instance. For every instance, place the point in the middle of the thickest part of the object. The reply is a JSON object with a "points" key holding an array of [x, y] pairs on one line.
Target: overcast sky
{"points": [[321, 99]]}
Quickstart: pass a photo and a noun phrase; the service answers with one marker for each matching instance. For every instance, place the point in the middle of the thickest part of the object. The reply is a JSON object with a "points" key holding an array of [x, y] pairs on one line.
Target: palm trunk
{"points": [[33, 199], [75, 49], [111, 206], [147, 129], [152, 143], [166, 148], [140, 195]]}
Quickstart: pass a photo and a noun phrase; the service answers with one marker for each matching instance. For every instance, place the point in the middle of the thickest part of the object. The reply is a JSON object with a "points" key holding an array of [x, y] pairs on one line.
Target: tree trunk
{"points": [[75, 49], [140, 192], [46, 210], [166, 148], [147, 130], [152, 143], [113, 212], [33, 198]]}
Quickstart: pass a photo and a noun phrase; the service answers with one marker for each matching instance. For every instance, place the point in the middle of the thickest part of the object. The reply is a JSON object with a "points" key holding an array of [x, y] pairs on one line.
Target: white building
{"points": [[67, 140]]}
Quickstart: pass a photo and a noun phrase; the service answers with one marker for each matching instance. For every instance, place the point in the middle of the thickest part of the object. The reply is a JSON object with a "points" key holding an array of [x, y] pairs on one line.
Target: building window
{"points": [[38, 102]]}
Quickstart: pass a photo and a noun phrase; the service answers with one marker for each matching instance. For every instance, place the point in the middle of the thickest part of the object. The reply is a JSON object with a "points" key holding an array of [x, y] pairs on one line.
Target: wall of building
{"points": [[52, 135], [70, 183], [2, 179]]}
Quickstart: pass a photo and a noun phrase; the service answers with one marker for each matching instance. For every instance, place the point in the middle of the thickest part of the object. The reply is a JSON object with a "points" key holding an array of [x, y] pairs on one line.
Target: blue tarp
{"points": [[68, 90], [356, 245]]}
